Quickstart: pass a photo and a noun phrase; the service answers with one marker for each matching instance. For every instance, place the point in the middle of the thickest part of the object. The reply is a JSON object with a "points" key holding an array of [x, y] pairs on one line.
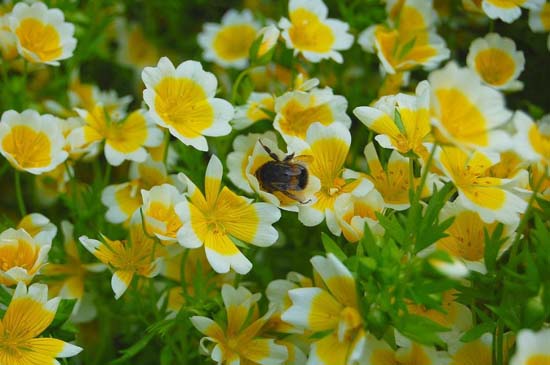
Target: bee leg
{"points": [[294, 197], [289, 157], [269, 152]]}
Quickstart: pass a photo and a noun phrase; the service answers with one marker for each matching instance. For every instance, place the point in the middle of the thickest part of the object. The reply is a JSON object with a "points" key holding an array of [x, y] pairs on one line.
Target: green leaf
{"points": [[64, 311], [332, 247], [420, 329], [133, 350], [476, 332]]}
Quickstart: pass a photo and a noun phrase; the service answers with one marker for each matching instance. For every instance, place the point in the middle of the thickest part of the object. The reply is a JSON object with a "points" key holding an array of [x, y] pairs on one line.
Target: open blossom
{"points": [[539, 20], [311, 33], [532, 140], [508, 10], [8, 41], [331, 308], [36, 224], [298, 110], [212, 219], [239, 340], [27, 316], [228, 43], [128, 258], [532, 347], [492, 198], [42, 34], [254, 110], [125, 139], [182, 100], [22, 255], [409, 40], [134, 49], [401, 121], [31, 142], [465, 112], [496, 61]]}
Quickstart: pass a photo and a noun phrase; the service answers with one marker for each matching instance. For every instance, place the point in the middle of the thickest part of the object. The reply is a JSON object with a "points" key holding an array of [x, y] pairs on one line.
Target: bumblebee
{"points": [[287, 176]]}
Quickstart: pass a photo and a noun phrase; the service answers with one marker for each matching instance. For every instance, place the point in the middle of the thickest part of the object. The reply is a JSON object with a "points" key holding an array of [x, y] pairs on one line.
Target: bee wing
{"points": [[305, 159]]}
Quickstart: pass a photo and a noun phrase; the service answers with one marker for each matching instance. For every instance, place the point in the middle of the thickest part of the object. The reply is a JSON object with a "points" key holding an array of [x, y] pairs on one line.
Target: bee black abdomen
{"points": [[282, 176]]}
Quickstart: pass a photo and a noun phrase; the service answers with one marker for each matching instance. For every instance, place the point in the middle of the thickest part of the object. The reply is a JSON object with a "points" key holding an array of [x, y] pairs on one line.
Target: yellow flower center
{"points": [[41, 39], [538, 359], [297, 118], [166, 215], [495, 66], [232, 42], [182, 104], [31, 149], [18, 254], [308, 33], [540, 141]]}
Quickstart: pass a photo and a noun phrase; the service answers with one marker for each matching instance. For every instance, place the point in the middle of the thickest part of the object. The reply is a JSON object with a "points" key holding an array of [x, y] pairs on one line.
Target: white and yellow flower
{"points": [[492, 198], [477, 352], [352, 212], [393, 180], [532, 348], [22, 255], [237, 160], [508, 10], [532, 140], [288, 199], [159, 214], [43, 35], [465, 239], [37, 224], [27, 316], [311, 33], [539, 20], [134, 49], [408, 41], [125, 139], [496, 61], [182, 100], [8, 41], [270, 35], [228, 44], [133, 257], [298, 110], [332, 308], [329, 146], [401, 121], [465, 112], [214, 219], [254, 110], [31, 142], [239, 340]]}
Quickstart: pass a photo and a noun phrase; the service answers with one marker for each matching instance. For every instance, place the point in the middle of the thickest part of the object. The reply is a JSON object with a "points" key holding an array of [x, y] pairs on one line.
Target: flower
{"points": [[466, 236], [329, 146], [312, 34], [159, 214], [539, 20], [492, 198], [532, 348], [408, 41], [219, 216], [28, 315], [465, 112], [31, 142], [270, 35], [21, 255], [508, 10], [134, 49], [124, 139], [182, 100], [42, 34], [238, 159], [68, 278], [352, 212], [287, 199], [496, 61], [8, 41], [36, 224], [477, 352], [228, 44], [393, 181], [239, 340], [254, 110], [401, 121], [332, 308], [532, 140], [136, 256], [298, 110]]}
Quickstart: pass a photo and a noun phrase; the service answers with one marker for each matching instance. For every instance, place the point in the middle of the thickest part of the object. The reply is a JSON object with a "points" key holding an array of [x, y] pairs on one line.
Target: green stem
{"points": [[426, 171], [19, 194], [4, 70], [107, 175], [235, 88], [166, 144]]}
